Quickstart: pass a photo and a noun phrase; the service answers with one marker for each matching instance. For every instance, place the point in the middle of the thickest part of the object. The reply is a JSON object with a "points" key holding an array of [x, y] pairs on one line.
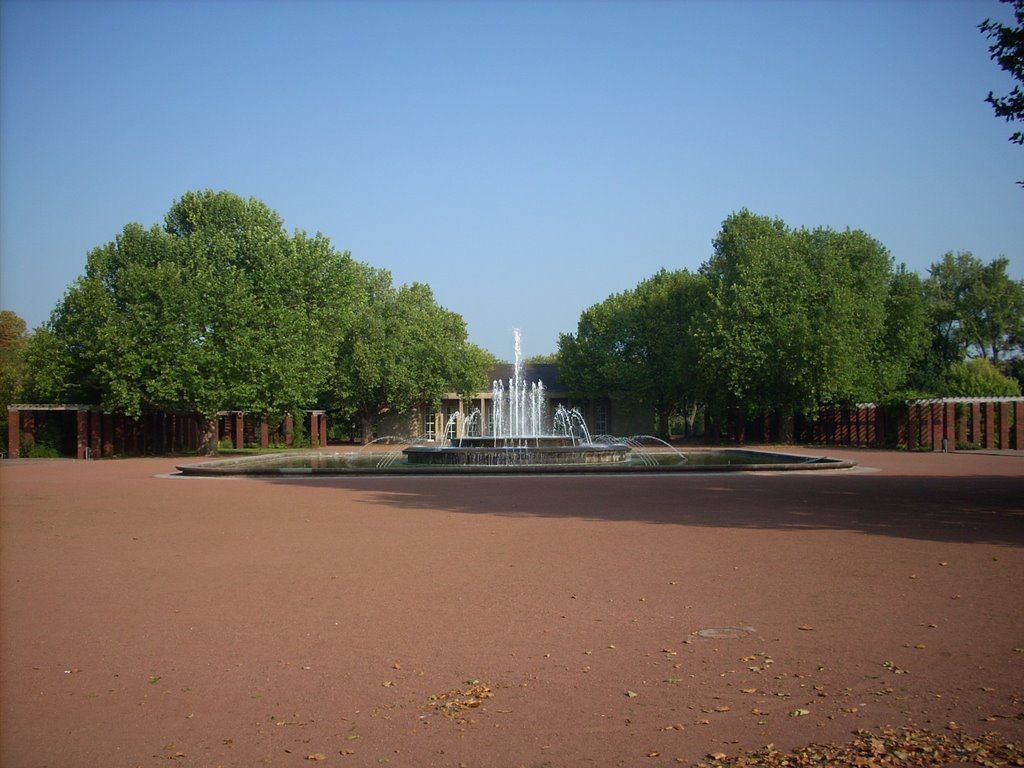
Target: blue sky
{"points": [[526, 159]]}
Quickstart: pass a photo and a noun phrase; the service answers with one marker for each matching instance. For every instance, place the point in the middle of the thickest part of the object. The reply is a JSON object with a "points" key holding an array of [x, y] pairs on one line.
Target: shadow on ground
{"points": [[965, 508]]}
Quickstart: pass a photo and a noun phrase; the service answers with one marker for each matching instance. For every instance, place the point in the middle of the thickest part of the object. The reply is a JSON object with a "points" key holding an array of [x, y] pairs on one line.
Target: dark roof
{"points": [[547, 373]]}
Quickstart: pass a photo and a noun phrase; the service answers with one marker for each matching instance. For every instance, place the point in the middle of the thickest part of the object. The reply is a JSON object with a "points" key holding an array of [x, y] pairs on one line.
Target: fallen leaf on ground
{"points": [[892, 748]]}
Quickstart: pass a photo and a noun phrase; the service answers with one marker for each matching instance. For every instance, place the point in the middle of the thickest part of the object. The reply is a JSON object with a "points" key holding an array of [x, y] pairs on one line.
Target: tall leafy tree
{"points": [[404, 351], [802, 318], [218, 310], [977, 308], [13, 344], [902, 358], [640, 345]]}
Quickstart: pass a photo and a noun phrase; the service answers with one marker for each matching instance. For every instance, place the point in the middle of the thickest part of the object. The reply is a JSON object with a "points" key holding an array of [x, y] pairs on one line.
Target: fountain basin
{"points": [[395, 463], [512, 451]]}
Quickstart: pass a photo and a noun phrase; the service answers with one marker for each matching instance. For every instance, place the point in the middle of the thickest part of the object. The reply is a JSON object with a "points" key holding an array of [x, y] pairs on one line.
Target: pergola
{"points": [[101, 434]]}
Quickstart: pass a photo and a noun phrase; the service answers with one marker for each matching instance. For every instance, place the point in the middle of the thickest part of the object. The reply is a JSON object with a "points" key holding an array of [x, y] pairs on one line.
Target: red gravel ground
{"points": [[289, 622]]}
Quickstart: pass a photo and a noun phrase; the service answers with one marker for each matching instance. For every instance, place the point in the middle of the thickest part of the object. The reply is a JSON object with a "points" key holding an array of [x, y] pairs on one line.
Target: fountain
{"points": [[520, 433]]}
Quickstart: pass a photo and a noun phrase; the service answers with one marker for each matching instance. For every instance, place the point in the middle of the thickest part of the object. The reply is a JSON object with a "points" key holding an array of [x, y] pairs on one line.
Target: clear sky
{"points": [[526, 159]]}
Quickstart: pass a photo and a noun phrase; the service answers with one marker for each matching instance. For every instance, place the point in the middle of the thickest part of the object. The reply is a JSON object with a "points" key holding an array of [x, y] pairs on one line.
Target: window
{"points": [[451, 422], [601, 418], [430, 425]]}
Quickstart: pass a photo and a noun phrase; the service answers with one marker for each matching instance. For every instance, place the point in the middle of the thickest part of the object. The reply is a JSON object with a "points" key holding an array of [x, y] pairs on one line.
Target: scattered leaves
{"points": [[891, 666], [892, 748], [453, 703], [316, 756]]}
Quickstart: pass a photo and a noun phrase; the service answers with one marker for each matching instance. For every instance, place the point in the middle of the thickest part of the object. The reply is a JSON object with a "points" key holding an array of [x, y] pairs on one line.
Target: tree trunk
{"points": [[785, 425], [208, 443], [663, 423], [367, 423], [690, 420]]}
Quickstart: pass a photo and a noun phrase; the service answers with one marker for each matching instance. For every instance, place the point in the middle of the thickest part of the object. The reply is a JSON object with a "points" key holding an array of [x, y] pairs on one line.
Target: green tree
{"points": [[218, 310], [551, 357], [1007, 50], [13, 343], [800, 319], [404, 351], [639, 344], [979, 378], [902, 360], [978, 309]]}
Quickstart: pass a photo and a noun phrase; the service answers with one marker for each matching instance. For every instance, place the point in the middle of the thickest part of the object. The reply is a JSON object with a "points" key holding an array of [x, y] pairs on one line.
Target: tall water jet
{"points": [[521, 409]]}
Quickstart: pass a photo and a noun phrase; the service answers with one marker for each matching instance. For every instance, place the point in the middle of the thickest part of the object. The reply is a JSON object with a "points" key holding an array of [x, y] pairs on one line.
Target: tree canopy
{"points": [[802, 318], [639, 344], [404, 350], [978, 309], [979, 378], [13, 343], [219, 309]]}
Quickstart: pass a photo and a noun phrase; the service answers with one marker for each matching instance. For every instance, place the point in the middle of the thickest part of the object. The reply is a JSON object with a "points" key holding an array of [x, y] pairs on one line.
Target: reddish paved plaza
{"points": [[503, 621]]}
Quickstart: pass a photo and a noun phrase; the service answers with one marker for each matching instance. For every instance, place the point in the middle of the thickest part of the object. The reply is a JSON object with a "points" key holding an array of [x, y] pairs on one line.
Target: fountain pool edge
{"points": [[270, 465]]}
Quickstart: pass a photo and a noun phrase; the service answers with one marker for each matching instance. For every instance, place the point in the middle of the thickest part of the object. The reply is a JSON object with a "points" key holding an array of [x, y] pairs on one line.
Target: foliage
{"points": [[905, 344], [219, 309], [13, 342], [802, 318], [978, 310], [551, 357], [639, 344], [1007, 50], [404, 351], [979, 378]]}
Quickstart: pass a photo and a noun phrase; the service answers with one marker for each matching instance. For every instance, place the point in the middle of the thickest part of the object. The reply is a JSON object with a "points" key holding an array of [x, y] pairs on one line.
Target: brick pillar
{"points": [[912, 426], [1004, 425], [990, 425], [314, 429], [323, 430], [961, 432], [1018, 426], [926, 424], [239, 429], [949, 435], [937, 426], [95, 434], [13, 433], [82, 434], [289, 430], [264, 432], [976, 434]]}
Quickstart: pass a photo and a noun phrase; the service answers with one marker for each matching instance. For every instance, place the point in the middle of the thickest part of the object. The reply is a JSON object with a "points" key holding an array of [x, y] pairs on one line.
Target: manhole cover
{"points": [[724, 633]]}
